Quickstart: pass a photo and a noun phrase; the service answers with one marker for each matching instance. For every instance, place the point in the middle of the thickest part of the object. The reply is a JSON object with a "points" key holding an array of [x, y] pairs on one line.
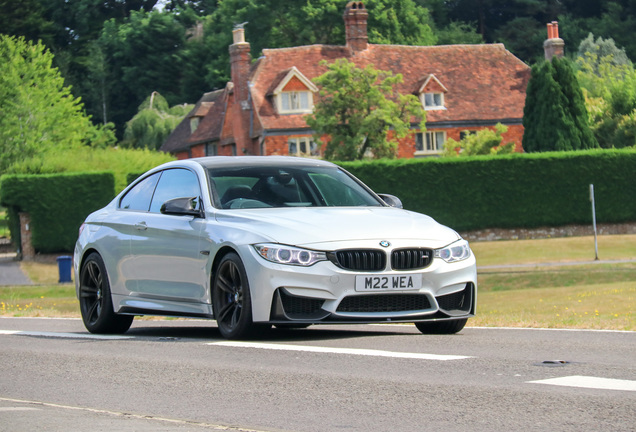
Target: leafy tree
{"points": [[356, 110], [29, 20], [37, 112], [593, 52], [609, 81], [458, 33], [399, 22], [554, 117], [484, 142], [143, 54], [153, 123]]}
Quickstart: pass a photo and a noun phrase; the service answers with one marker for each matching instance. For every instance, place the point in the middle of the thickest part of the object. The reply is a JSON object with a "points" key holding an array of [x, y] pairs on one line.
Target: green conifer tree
{"points": [[555, 117], [564, 75]]}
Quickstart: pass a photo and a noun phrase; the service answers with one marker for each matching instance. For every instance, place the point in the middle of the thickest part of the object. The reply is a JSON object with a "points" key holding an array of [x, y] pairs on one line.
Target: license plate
{"points": [[389, 282]]}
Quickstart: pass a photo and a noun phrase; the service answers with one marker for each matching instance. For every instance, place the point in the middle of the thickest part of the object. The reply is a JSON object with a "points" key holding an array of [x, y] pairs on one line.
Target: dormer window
{"points": [[198, 113], [296, 101], [294, 94], [432, 93], [194, 123], [433, 101]]}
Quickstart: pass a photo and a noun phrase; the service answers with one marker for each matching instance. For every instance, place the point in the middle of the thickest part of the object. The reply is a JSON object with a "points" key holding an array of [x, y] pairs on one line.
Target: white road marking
{"points": [[63, 335], [589, 382], [6, 409], [348, 351]]}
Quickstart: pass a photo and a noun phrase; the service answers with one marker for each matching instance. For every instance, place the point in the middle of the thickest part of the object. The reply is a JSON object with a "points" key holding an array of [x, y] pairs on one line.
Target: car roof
{"points": [[255, 161]]}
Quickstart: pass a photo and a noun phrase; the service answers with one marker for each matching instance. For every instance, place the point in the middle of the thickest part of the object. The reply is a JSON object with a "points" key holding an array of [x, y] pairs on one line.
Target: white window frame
{"points": [[309, 143], [295, 102], [427, 139], [432, 101]]}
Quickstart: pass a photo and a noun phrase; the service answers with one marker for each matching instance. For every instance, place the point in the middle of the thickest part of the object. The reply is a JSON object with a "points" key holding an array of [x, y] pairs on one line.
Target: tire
{"points": [[96, 303], [441, 327], [231, 300]]}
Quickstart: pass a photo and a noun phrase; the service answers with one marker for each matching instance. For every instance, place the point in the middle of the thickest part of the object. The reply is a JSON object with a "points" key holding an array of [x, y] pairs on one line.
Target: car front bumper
{"points": [[325, 293]]}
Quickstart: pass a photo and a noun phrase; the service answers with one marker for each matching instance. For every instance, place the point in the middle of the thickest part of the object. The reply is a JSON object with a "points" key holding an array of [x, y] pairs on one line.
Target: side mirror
{"points": [[182, 207], [391, 200]]}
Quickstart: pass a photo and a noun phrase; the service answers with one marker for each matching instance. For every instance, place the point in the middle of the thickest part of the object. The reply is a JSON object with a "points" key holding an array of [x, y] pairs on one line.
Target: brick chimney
{"points": [[240, 61], [553, 46], [355, 18]]}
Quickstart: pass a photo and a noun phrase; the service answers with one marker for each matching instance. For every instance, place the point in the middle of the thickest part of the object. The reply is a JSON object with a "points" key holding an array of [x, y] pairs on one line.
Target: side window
{"points": [[138, 198], [175, 183]]}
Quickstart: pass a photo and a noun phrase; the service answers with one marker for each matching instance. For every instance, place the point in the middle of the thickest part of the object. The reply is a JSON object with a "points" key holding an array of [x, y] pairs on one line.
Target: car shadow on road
{"points": [[313, 333]]}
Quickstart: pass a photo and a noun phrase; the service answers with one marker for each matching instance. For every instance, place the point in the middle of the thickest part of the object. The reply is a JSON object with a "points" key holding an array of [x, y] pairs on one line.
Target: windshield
{"points": [[259, 187]]}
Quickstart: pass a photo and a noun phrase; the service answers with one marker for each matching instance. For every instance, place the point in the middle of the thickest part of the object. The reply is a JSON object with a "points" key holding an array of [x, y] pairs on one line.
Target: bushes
{"points": [[511, 191], [57, 203], [121, 162]]}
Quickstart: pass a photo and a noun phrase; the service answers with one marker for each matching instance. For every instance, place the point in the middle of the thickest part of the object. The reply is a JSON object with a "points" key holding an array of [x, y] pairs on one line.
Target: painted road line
{"points": [[11, 409], [348, 351], [589, 382], [63, 335]]}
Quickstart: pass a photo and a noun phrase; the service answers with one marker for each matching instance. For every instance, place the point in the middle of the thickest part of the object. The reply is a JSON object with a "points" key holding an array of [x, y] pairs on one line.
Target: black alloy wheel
{"points": [[96, 304], [231, 299]]}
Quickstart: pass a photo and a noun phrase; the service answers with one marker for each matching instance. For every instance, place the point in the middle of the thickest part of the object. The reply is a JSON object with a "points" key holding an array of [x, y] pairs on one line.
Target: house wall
{"points": [[277, 145], [197, 150], [514, 134]]}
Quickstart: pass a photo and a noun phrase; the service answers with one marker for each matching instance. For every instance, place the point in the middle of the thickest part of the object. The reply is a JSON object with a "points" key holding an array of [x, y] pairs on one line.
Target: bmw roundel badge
{"points": [[385, 243]]}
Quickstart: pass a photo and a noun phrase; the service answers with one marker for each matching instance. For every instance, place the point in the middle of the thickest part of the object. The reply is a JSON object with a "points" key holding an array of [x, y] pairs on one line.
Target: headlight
{"points": [[457, 251], [282, 254]]}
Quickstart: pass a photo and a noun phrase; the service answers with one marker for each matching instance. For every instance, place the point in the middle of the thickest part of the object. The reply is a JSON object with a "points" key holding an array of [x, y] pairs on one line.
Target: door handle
{"points": [[141, 226]]}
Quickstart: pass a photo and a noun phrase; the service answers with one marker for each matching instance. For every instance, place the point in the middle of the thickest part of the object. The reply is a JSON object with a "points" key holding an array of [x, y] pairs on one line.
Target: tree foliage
{"points": [[356, 110], [144, 53], [152, 124], [483, 142], [555, 117], [37, 112], [121, 162], [116, 52], [609, 81]]}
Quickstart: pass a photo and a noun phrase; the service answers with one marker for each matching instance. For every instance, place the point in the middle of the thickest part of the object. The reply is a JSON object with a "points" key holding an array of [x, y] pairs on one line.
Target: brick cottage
{"points": [[463, 88]]}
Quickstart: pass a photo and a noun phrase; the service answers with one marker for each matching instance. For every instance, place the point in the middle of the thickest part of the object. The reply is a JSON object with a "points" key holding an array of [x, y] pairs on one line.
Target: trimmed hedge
{"points": [[510, 191], [57, 203]]}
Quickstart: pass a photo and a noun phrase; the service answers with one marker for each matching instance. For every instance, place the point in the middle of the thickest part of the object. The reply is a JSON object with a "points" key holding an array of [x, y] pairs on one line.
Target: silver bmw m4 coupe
{"points": [[253, 242]]}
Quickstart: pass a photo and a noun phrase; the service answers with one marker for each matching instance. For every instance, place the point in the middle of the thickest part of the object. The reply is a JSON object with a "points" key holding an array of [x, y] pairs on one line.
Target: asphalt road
{"points": [[180, 375]]}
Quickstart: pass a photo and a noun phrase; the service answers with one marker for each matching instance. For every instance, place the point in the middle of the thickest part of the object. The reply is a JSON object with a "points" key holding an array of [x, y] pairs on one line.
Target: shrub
{"points": [[510, 191], [121, 162], [57, 204]]}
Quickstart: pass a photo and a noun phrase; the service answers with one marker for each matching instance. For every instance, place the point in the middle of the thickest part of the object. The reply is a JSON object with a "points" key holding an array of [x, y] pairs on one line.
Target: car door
{"points": [[116, 250], [168, 261]]}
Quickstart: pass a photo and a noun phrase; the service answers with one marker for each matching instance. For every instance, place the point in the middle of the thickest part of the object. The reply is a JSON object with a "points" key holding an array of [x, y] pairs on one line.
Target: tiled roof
{"points": [[181, 138], [484, 83]]}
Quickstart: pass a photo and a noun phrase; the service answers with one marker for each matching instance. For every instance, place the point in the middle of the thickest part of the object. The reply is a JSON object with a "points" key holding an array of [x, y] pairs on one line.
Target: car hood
{"points": [[311, 226]]}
